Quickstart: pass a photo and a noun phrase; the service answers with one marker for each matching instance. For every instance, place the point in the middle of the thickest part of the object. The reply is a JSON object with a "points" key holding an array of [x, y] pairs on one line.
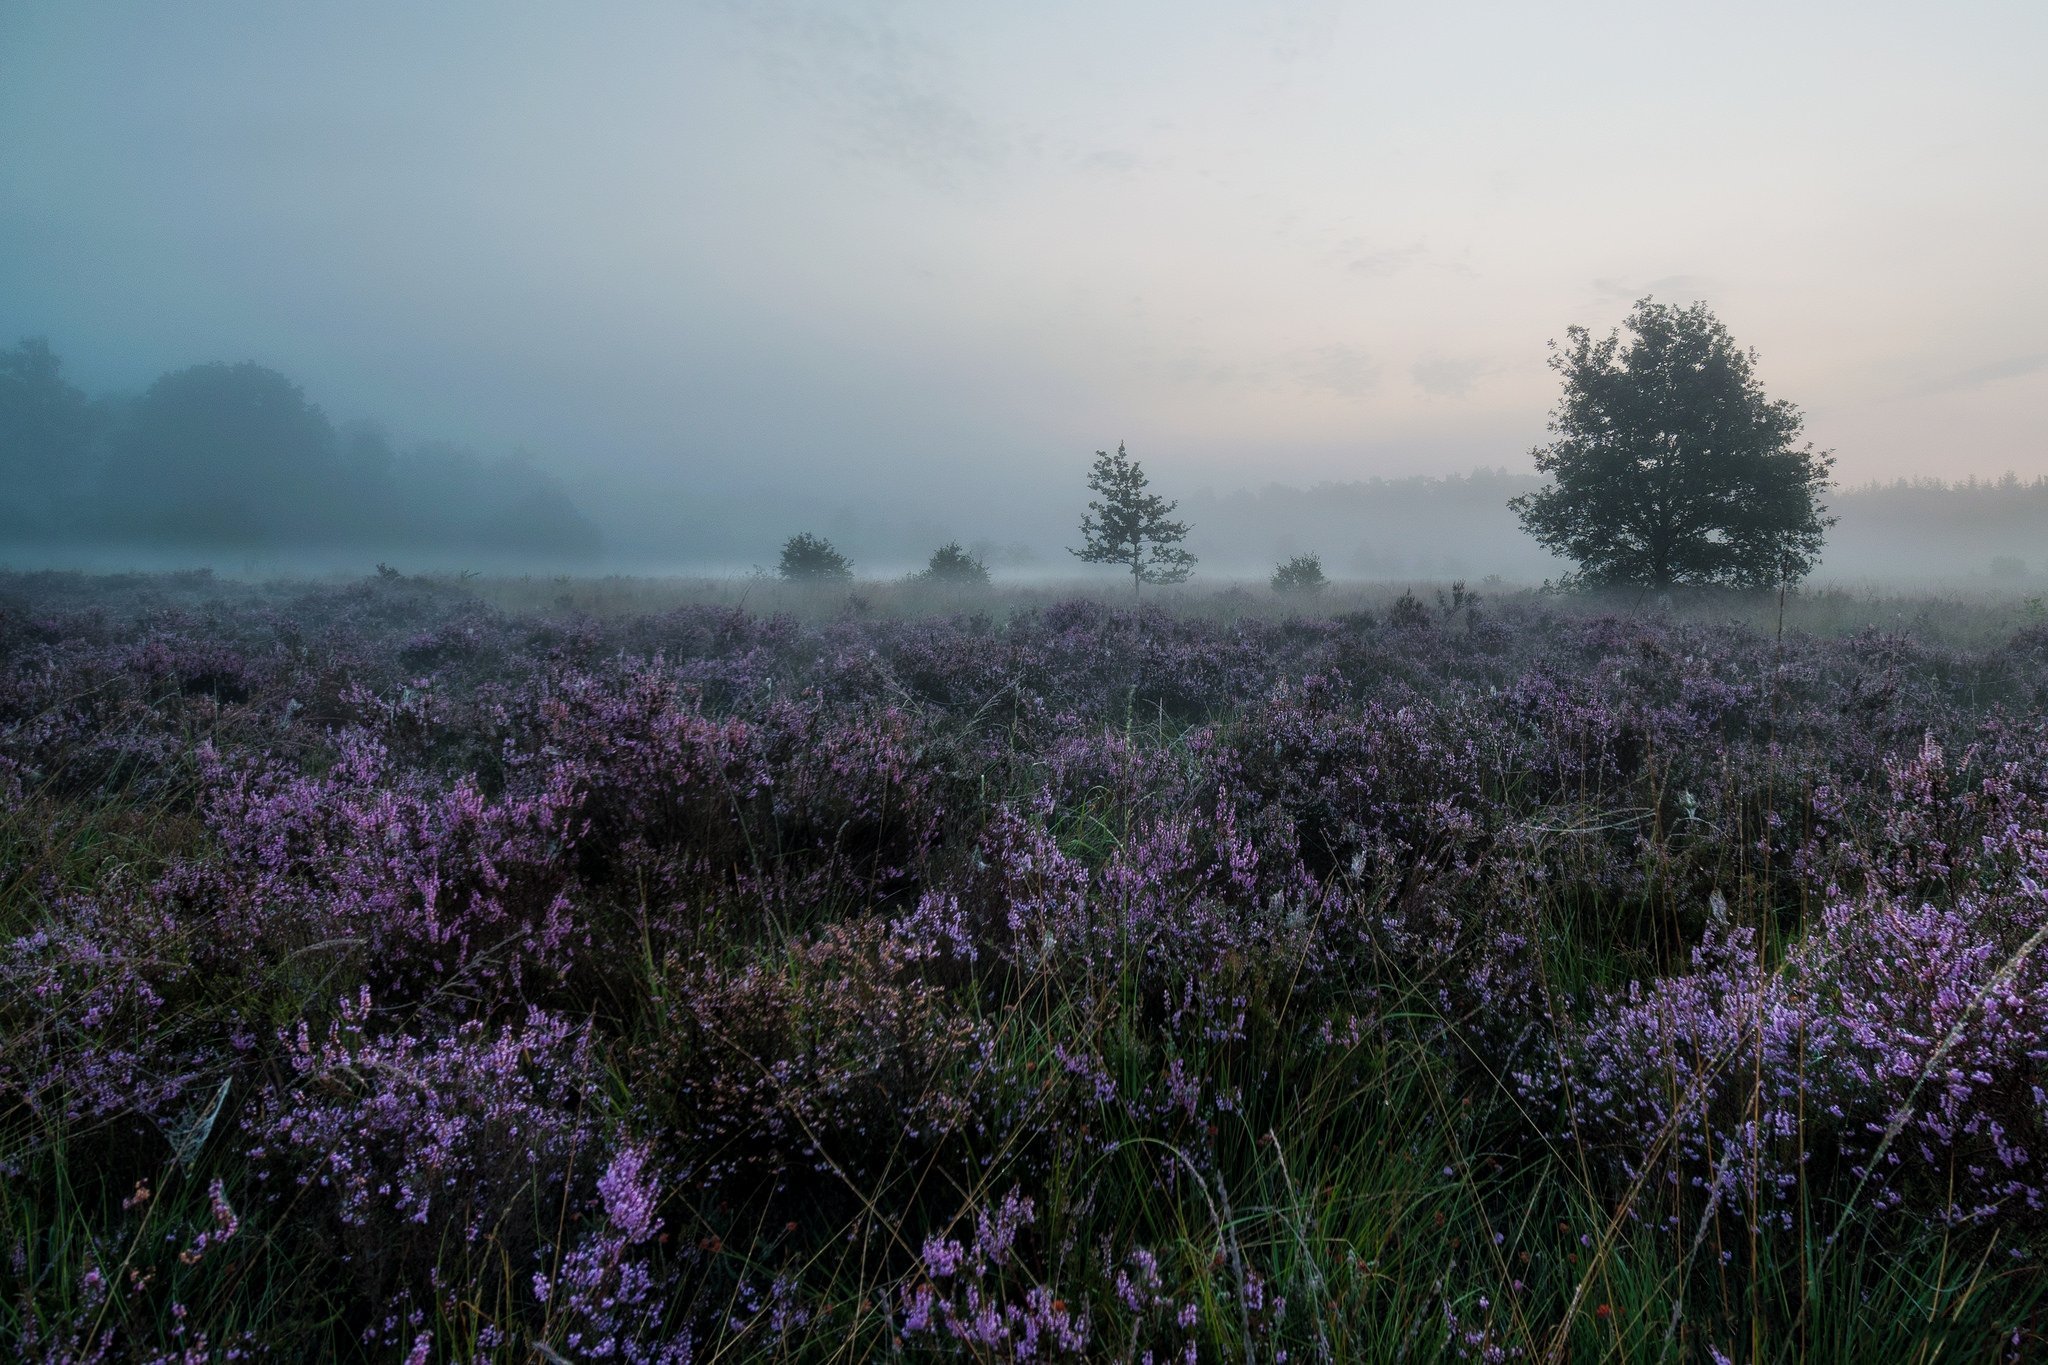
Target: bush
{"points": [[955, 567], [811, 559], [1302, 574], [1408, 611]]}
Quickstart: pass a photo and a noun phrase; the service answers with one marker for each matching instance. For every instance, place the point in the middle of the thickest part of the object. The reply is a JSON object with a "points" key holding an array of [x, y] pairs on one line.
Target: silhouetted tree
{"points": [[223, 455], [1128, 526], [1669, 464], [1302, 575], [811, 559], [952, 565], [46, 434]]}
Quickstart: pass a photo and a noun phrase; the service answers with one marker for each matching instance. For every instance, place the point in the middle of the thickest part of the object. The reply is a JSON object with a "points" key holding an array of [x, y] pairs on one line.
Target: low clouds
{"points": [[935, 138], [1371, 262], [1345, 371], [1337, 370], [1450, 376], [886, 95], [1977, 376], [1380, 265], [1114, 162]]}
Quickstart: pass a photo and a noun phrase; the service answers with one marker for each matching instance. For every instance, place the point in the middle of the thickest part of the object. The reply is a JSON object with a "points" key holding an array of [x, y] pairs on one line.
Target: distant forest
{"points": [[233, 459], [1920, 528]]}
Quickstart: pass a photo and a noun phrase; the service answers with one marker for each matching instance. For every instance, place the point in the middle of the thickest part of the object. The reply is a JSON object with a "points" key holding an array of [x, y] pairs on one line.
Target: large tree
{"points": [[1128, 526], [225, 455], [1670, 466]]}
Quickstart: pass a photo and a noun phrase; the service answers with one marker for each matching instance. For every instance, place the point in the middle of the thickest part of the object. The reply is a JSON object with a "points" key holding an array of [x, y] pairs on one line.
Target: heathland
{"points": [[428, 969]]}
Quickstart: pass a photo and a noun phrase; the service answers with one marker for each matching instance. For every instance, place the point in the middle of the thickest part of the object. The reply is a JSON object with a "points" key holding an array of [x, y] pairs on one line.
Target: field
{"points": [[432, 970]]}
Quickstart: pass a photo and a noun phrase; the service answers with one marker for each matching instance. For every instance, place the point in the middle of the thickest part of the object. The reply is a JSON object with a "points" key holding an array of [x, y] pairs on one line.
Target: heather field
{"points": [[429, 970]]}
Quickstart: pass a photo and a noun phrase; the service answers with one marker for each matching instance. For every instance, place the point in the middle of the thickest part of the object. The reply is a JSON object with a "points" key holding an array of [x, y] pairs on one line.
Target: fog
{"points": [[647, 288]]}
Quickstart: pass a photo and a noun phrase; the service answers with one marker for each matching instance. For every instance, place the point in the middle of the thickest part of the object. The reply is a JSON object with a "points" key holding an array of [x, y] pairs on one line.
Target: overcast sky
{"points": [[924, 246]]}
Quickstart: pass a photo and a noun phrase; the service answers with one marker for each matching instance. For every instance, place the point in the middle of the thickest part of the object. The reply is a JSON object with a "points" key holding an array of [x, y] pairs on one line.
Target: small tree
{"points": [[1126, 525], [953, 566], [1301, 575], [1670, 465], [811, 559]]}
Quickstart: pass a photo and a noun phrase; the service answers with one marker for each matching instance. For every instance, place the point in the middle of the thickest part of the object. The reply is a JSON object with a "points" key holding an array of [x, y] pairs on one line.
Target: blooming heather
{"points": [[383, 974]]}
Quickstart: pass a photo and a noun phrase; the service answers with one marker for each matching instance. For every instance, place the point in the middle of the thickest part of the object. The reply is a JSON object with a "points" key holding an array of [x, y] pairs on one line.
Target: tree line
{"points": [[1668, 466], [234, 457]]}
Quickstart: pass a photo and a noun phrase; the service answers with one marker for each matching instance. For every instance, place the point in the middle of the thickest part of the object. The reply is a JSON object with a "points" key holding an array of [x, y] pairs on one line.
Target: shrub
{"points": [[811, 559], [1408, 611], [953, 566], [836, 1060], [1301, 575]]}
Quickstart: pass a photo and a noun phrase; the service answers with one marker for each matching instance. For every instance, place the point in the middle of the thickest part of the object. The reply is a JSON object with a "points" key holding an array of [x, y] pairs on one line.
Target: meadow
{"points": [[418, 970]]}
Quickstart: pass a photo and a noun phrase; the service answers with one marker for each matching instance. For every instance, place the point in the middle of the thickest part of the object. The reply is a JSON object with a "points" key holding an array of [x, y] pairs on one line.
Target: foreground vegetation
{"points": [[385, 974]]}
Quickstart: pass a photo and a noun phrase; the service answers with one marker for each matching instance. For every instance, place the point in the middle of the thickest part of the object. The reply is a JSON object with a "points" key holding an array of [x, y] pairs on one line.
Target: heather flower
{"points": [[411, 1142]]}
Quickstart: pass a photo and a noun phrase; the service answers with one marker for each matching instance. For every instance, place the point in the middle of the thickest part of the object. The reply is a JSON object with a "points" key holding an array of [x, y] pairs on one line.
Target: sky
{"points": [[942, 252]]}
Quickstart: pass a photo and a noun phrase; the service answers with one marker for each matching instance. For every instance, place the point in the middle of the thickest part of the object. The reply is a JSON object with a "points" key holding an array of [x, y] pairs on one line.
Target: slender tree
{"points": [[1670, 466], [1129, 526]]}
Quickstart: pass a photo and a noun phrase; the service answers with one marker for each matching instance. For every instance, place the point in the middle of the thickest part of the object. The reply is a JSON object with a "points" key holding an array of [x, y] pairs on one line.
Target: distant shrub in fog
{"points": [[812, 559], [954, 566], [1301, 575]]}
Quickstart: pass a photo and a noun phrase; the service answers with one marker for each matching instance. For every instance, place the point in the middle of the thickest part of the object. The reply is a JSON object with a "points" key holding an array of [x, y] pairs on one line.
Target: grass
{"points": [[1822, 608]]}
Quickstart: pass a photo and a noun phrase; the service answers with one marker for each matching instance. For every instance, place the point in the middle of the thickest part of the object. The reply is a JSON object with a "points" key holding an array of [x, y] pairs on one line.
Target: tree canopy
{"points": [[1669, 465], [1127, 525]]}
